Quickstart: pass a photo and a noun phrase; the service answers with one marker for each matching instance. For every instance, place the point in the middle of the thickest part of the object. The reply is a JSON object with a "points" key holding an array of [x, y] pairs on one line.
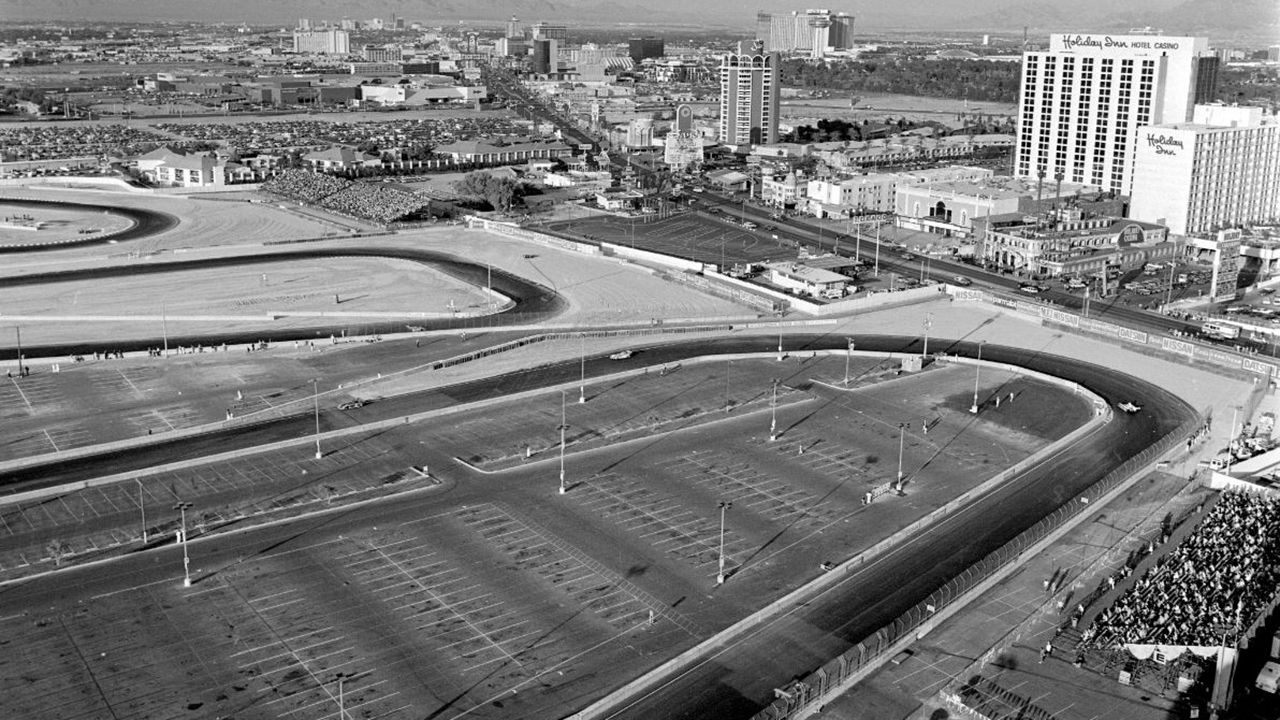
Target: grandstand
{"points": [[363, 201]]}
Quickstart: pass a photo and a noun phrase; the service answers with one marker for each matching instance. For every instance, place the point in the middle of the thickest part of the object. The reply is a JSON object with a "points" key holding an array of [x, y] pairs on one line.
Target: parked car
{"points": [[1029, 288], [962, 281]]}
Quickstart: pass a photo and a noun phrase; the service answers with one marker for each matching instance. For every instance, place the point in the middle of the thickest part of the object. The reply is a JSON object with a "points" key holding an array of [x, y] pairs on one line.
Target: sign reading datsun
{"points": [[1127, 44]]}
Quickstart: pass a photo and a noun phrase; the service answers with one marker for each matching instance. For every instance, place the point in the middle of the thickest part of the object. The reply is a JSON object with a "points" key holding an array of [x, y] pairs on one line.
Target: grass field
{"points": [[693, 236]]}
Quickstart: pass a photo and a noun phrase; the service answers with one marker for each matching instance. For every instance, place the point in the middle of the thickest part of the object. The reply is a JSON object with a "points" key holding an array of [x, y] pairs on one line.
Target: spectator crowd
{"points": [[364, 201], [1214, 583]]}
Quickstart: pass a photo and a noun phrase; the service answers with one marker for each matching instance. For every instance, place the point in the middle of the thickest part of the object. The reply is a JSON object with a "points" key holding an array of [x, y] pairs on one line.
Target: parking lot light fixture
{"points": [[181, 507], [773, 412], [902, 429], [315, 386], [976, 374], [724, 506], [563, 427], [847, 356]]}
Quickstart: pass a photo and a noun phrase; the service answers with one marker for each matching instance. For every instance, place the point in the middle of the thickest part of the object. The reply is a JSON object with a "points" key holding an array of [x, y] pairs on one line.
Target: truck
{"points": [[1221, 331]]}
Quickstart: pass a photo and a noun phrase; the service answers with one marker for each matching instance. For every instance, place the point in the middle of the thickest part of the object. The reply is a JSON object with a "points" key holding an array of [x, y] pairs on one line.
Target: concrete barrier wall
{"points": [[652, 257]]}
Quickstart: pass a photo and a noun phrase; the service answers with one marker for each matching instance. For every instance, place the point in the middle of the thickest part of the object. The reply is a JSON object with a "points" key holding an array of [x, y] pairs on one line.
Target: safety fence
{"points": [[816, 686], [533, 339]]}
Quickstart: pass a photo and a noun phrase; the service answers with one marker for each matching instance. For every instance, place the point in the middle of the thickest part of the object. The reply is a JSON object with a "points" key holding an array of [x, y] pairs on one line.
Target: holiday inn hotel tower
{"points": [[1084, 99]]}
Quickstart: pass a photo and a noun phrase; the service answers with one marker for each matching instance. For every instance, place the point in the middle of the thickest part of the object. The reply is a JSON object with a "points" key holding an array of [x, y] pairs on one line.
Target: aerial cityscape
{"points": [[602, 360]]}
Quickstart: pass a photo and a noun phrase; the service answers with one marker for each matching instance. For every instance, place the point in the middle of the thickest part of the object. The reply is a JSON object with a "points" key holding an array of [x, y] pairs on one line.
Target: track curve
{"points": [[533, 302], [145, 224]]}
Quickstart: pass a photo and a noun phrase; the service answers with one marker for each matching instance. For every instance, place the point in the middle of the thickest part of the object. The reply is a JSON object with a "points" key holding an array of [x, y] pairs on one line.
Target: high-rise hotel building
{"points": [[1220, 170], [1084, 98], [750, 88]]}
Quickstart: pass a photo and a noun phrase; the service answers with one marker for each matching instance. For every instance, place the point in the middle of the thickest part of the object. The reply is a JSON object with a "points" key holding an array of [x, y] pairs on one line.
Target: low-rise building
{"points": [[806, 279], [950, 208], [340, 159], [477, 152], [1070, 242]]}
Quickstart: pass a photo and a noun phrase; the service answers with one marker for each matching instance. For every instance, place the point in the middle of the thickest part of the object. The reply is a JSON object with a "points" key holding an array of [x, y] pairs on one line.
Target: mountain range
{"points": [[1220, 19]]}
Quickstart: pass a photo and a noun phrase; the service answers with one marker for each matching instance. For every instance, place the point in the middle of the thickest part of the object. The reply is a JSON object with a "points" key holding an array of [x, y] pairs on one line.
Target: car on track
{"points": [[1029, 288], [962, 281], [1129, 407], [622, 355], [352, 405]]}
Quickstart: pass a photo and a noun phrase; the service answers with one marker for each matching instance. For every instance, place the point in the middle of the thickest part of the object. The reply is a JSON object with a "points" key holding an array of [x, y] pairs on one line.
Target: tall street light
{"points": [[563, 427], [724, 506], [142, 505], [582, 383], [315, 386], [186, 559], [773, 413], [928, 323], [977, 374], [902, 428], [847, 356]]}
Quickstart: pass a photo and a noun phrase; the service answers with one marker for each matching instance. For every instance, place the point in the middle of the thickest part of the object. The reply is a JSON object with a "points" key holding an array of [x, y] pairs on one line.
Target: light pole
{"points": [[143, 507], [18, 330], [928, 323], [582, 383], [977, 374], [779, 346], [181, 507], [164, 327], [724, 507], [727, 365], [847, 356], [902, 429], [315, 386], [563, 427], [773, 413], [876, 272]]}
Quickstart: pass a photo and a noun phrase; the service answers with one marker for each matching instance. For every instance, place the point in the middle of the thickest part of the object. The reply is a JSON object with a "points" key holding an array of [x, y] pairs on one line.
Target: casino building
{"points": [[1220, 170], [1083, 100]]}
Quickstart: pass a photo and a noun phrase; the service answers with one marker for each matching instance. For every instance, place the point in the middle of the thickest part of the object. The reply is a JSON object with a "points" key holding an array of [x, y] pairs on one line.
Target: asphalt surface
{"points": [[533, 303], [740, 681], [145, 224]]}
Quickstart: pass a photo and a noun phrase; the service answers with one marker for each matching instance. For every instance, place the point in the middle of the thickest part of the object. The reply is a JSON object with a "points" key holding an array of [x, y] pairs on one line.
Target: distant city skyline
{"points": [[1226, 18]]}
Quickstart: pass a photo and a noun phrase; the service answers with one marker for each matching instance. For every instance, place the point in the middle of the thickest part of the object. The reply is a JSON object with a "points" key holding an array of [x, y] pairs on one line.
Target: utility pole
{"points": [[724, 507], [928, 323]]}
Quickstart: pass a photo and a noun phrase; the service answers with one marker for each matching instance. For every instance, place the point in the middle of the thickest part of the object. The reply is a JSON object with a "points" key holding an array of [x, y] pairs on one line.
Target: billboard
{"points": [[1226, 265]]}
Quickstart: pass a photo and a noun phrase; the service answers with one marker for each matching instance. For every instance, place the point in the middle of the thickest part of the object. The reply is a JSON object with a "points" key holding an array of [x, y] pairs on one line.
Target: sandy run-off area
{"points": [[268, 295]]}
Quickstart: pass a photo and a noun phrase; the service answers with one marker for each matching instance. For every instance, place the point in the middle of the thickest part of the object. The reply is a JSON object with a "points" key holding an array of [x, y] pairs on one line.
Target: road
{"points": [[738, 682], [898, 260]]}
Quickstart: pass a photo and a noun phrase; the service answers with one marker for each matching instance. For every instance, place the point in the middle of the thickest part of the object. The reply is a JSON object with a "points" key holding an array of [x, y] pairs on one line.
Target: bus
{"points": [[1221, 331]]}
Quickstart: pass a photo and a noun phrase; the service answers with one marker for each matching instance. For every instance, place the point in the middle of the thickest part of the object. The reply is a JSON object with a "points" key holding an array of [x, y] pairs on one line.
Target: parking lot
{"points": [[693, 236], [501, 596]]}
